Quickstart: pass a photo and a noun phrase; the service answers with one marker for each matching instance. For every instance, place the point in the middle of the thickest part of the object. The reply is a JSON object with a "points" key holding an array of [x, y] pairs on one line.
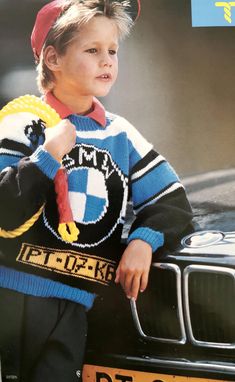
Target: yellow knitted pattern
{"points": [[34, 105], [23, 228]]}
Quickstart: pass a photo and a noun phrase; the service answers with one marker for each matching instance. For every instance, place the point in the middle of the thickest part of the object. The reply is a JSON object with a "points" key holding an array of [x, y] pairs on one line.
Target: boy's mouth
{"points": [[105, 76]]}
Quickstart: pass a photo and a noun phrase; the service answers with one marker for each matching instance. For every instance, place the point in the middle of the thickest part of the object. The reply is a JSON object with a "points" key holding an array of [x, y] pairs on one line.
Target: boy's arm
{"points": [[161, 223], [163, 215], [133, 270], [27, 171]]}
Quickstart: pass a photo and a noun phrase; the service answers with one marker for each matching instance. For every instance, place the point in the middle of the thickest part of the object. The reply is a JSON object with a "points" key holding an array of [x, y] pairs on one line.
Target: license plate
{"points": [[93, 373]]}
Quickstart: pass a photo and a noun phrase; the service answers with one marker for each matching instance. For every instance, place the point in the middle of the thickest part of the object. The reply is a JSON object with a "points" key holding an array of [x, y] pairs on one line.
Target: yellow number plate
{"points": [[106, 374]]}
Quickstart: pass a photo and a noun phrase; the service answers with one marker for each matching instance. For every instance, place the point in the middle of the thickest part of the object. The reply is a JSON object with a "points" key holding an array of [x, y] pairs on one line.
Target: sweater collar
{"points": [[97, 113]]}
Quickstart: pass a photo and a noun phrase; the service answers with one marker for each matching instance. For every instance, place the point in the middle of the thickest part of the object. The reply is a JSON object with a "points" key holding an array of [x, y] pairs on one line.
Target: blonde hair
{"points": [[74, 15]]}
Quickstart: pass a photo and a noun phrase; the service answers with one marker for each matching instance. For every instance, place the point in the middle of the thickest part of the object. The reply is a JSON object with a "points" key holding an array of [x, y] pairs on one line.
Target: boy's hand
{"points": [[134, 266], [60, 139]]}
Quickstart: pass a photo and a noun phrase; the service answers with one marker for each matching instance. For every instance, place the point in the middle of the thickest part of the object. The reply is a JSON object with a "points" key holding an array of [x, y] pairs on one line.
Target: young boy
{"points": [[75, 44]]}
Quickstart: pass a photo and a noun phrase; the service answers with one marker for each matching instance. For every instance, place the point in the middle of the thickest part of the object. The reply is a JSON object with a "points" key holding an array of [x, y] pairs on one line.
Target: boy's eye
{"points": [[91, 50], [112, 52]]}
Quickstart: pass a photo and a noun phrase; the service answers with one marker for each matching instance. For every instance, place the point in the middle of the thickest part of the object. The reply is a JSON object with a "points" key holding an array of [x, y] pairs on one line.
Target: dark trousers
{"points": [[41, 339]]}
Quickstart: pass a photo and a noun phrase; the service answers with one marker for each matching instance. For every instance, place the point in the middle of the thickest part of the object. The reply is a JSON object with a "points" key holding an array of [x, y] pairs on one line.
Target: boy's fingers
{"points": [[117, 278], [144, 281], [132, 283], [135, 287], [127, 285]]}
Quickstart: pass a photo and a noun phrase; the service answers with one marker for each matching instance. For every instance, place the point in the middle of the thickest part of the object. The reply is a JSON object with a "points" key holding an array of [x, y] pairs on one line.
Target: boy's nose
{"points": [[106, 60]]}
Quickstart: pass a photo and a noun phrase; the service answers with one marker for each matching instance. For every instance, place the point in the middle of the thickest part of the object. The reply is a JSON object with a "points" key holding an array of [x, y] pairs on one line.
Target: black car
{"points": [[182, 328]]}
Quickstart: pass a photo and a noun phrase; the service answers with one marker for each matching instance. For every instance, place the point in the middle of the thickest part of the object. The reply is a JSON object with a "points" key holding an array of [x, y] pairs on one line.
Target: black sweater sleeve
{"points": [[23, 190], [163, 212], [26, 170]]}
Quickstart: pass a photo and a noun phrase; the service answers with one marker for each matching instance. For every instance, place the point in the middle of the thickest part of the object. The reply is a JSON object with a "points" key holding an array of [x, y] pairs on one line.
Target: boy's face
{"points": [[90, 65]]}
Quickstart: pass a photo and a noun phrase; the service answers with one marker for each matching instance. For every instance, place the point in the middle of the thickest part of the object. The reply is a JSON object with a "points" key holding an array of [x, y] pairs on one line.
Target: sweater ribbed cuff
{"points": [[47, 164], [153, 238]]}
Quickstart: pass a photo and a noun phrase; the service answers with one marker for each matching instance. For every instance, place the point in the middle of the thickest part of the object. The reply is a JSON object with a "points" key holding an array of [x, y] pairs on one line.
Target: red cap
{"points": [[44, 21], [47, 16]]}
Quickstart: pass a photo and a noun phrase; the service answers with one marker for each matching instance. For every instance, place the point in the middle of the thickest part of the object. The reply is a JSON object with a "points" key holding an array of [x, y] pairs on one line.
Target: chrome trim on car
{"points": [[207, 366], [182, 340], [202, 268], [202, 239]]}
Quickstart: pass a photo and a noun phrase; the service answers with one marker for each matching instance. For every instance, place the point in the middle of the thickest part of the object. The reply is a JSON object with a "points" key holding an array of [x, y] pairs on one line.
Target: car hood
{"points": [[212, 196]]}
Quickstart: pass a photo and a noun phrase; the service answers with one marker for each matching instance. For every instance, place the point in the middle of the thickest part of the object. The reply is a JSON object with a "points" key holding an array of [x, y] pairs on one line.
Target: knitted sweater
{"points": [[110, 162]]}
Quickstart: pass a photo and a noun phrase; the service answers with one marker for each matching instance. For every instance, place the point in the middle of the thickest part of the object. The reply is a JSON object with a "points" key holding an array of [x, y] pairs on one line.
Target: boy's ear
{"points": [[51, 58]]}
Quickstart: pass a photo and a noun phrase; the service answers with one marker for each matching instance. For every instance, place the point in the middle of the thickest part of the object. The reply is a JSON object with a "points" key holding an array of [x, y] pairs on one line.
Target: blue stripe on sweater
{"points": [[84, 123], [134, 155], [153, 182], [42, 287], [118, 148], [119, 145], [94, 208], [77, 180], [8, 160]]}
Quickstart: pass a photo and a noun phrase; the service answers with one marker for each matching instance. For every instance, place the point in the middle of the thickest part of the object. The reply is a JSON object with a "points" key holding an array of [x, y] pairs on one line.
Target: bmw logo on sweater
{"points": [[98, 193]]}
